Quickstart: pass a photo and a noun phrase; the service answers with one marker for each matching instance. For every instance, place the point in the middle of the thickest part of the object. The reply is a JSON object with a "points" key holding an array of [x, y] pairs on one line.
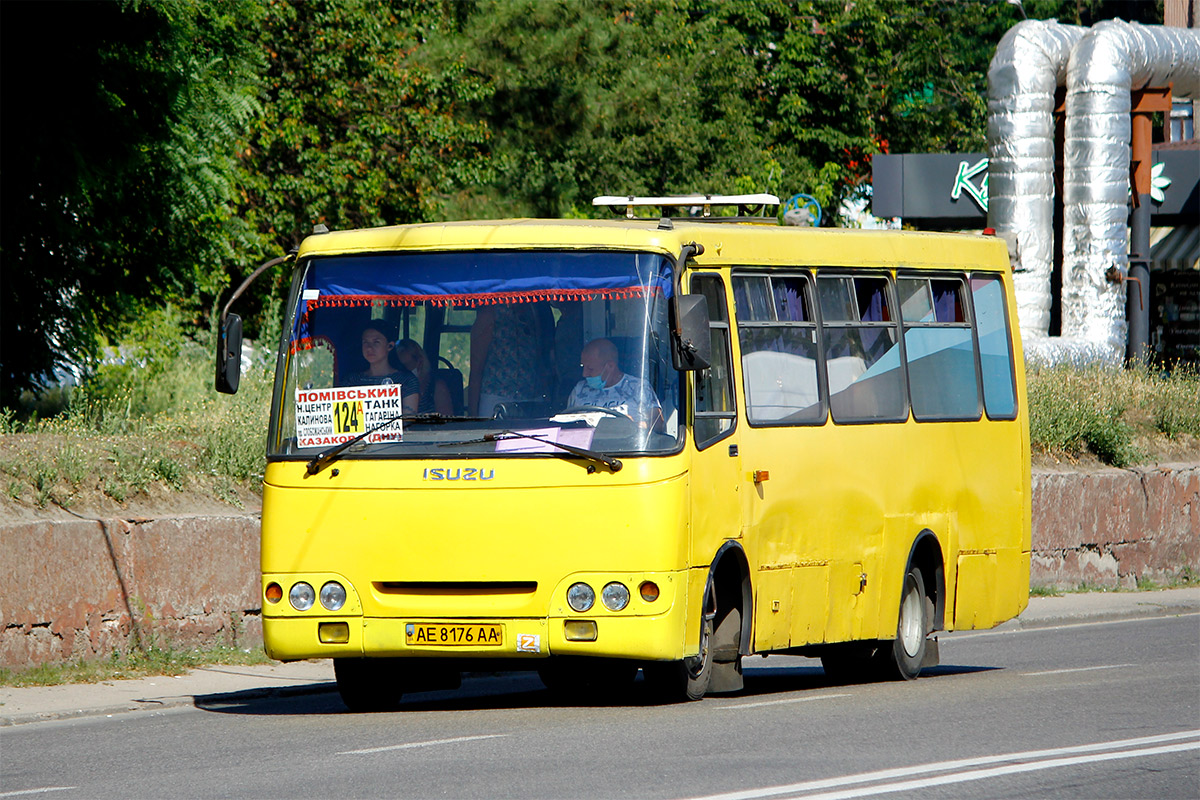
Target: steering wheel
{"points": [[588, 409]]}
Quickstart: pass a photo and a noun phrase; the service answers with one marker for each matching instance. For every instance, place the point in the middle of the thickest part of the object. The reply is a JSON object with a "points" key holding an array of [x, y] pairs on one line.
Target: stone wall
{"points": [[75, 588], [1116, 526], [79, 589]]}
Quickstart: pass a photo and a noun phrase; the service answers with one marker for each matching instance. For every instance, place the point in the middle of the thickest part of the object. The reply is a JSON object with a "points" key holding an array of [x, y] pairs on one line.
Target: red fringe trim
{"points": [[475, 300]]}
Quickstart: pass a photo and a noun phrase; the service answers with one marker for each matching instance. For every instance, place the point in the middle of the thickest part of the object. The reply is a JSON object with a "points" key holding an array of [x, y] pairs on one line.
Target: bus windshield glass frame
{"points": [[478, 353]]}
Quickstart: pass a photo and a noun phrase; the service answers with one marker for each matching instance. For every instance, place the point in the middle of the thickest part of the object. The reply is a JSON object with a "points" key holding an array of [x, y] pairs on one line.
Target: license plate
{"points": [[433, 635]]}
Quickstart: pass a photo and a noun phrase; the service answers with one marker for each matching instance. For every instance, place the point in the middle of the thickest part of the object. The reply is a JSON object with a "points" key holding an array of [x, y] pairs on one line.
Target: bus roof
{"points": [[725, 244]]}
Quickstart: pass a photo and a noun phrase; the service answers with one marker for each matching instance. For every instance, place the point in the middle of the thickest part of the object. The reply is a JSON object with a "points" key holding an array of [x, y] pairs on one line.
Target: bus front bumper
{"points": [[651, 638]]}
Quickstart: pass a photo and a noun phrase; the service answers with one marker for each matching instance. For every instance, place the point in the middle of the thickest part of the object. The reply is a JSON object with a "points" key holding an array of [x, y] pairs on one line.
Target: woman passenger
{"points": [[377, 351], [435, 394]]}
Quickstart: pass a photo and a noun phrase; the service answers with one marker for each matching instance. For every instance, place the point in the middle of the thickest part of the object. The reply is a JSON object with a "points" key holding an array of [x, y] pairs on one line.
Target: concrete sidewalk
{"points": [[210, 684]]}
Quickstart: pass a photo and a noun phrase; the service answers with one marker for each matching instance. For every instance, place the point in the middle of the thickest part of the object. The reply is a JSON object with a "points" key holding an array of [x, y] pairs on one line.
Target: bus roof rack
{"points": [[750, 207]]}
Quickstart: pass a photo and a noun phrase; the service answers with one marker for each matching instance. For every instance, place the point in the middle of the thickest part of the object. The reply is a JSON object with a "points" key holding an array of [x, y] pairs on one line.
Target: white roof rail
{"points": [[705, 201]]}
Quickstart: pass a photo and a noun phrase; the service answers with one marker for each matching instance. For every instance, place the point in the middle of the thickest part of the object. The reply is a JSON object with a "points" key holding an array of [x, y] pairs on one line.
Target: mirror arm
{"points": [[250, 279], [689, 250]]}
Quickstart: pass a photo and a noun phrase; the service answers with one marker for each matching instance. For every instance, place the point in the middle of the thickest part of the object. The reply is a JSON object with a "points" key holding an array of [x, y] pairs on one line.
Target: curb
{"points": [[200, 701], [1140, 611]]}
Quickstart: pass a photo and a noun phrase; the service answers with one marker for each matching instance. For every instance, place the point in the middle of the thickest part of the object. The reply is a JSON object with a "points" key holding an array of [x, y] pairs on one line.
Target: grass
{"points": [[1121, 417], [135, 664], [1187, 577], [148, 420]]}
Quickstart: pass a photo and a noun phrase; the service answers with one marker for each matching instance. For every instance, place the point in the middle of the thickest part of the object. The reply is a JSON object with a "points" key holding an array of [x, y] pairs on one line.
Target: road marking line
{"points": [[1076, 669], [43, 790], [412, 745], [955, 636], [740, 706], [994, 772], [946, 766]]}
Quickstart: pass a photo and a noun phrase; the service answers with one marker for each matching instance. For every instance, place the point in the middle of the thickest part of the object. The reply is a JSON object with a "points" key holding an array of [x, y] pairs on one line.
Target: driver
{"points": [[605, 386]]}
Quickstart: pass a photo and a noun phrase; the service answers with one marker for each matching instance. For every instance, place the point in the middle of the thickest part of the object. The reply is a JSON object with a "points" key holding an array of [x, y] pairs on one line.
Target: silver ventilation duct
{"points": [[1029, 65], [1109, 61]]}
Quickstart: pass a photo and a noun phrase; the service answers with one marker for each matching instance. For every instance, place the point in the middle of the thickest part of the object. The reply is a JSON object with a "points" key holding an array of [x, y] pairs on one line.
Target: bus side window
{"points": [[995, 347], [940, 350], [862, 350], [778, 336], [714, 415]]}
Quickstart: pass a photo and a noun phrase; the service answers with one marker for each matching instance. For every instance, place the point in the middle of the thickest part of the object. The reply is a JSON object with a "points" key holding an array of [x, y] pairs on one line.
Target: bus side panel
{"points": [[850, 500]]}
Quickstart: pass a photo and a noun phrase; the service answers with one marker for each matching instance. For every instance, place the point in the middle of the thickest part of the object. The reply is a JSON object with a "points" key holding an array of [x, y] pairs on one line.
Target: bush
{"points": [[1176, 402], [148, 415], [1107, 410]]}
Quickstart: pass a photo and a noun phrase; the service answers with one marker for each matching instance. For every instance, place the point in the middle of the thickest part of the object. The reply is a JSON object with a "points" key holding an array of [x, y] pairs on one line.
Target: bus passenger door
{"points": [[716, 464]]}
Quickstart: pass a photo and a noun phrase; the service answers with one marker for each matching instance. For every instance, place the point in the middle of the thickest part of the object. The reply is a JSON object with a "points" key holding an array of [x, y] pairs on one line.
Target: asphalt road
{"points": [[1107, 709]]}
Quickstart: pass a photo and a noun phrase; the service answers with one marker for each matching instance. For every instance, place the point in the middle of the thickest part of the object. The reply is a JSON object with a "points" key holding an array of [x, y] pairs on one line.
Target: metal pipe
{"points": [[1029, 65], [1110, 61]]}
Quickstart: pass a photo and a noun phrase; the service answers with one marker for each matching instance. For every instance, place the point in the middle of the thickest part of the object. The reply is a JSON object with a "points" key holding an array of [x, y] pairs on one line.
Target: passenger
{"points": [[508, 356], [435, 394], [605, 386], [378, 351]]}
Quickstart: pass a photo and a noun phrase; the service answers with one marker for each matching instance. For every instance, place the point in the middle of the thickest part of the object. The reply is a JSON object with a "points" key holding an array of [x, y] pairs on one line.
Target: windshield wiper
{"points": [[613, 464], [327, 457]]}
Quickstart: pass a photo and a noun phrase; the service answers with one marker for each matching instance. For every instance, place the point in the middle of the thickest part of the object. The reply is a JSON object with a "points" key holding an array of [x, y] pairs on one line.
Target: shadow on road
{"points": [[523, 690]]}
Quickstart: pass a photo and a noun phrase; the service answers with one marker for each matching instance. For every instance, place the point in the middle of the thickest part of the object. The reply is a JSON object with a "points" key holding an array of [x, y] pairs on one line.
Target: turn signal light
{"points": [[333, 632], [649, 591], [580, 630], [274, 593]]}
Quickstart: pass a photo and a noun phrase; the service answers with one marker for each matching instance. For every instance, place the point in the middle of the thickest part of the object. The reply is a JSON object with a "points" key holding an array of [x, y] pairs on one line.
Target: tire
{"points": [[903, 658], [677, 681], [368, 684]]}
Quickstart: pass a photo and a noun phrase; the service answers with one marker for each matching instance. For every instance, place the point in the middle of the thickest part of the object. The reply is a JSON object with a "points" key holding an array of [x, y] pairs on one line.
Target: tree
{"points": [[607, 96], [604, 96], [354, 132], [118, 157]]}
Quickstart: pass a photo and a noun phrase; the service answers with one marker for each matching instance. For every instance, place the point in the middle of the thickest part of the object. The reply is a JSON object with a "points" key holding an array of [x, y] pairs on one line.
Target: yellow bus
{"points": [[647, 444]]}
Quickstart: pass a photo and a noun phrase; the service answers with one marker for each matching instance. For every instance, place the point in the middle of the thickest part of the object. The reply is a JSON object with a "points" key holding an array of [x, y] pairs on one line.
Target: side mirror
{"points": [[229, 355], [693, 344]]}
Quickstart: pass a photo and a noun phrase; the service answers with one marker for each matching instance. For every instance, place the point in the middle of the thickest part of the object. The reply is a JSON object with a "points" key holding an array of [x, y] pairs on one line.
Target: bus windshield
{"points": [[503, 353]]}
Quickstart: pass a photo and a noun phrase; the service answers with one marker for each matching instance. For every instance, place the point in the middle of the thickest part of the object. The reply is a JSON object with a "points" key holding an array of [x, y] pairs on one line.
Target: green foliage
{"points": [[1073, 409], [1175, 401], [687, 95], [155, 152], [354, 132], [602, 96], [119, 176], [147, 417], [135, 664], [1107, 411]]}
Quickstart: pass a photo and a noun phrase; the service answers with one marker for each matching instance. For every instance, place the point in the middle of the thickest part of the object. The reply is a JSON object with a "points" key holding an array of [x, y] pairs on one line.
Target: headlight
{"points": [[302, 596], [580, 596], [615, 596], [333, 596]]}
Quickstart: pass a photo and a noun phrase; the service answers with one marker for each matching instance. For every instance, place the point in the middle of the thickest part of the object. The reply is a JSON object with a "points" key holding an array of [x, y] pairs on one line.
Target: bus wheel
{"points": [[368, 684], [687, 679], [902, 660]]}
